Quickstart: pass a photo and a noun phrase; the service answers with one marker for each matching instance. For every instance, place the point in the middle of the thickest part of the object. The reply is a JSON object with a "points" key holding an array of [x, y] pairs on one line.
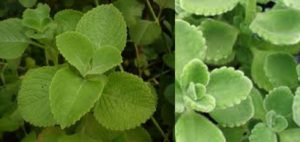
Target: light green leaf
{"points": [[33, 98], [104, 25], [193, 127], [77, 49], [105, 58], [144, 32], [13, 42], [274, 65], [179, 103], [298, 71], [208, 7], [261, 133], [190, 44], [234, 116], [113, 112], [220, 38], [292, 3], [78, 137], [235, 134], [195, 71], [72, 96], [290, 135], [38, 18], [276, 121], [205, 104], [138, 134], [132, 10], [296, 107], [257, 99], [280, 100], [278, 26], [228, 86], [67, 19], [28, 3]]}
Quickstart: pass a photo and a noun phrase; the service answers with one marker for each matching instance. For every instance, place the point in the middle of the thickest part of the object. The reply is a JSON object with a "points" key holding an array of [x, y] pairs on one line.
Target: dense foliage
{"points": [[237, 75], [86, 71]]}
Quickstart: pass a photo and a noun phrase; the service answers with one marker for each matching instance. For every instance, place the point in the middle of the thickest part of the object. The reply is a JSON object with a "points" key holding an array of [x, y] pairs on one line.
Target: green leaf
{"points": [[278, 26], [13, 42], [67, 19], [33, 98], [208, 7], [11, 121], [104, 25], [228, 86], [296, 107], [192, 127], [144, 32], [280, 100], [298, 71], [105, 58], [38, 18], [132, 10], [179, 103], [291, 3], [190, 44], [195, 71], [50, 134], [234, 116], [138, 134], [28, 3], [274, 65], [276, 121], [113, 112], [220, 38], [31, 137], [257, 99], [79, 137], [261, 133], [235, 134], [77, 49], [169, 60], [205, 104], [72, 96], [290, 135], [165, 3]]}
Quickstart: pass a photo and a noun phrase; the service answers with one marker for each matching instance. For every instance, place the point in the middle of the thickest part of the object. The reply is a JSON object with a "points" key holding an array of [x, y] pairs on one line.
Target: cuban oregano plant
{"points": [[90, 75], [237, 72]]}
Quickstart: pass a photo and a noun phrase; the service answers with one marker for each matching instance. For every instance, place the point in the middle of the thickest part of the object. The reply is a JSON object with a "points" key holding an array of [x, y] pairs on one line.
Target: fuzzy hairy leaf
{"points": [[276, 121], [228, 86], [12, 40], [144, 32], [278, 26], [292, 3], [296, 107], [208, 7], [77, 49], [33, 98], [193, 127], [236, 115], [257, 99], [132, 10], [190, 44], [290, 135], [67, 19], [104, 25], [261, 133], [113, 112], [72, 96]]}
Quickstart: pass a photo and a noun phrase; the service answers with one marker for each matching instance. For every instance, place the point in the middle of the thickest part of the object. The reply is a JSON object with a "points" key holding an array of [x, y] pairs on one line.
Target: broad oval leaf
{"points": [[113, 112], [78, 137], [190, 44], [72, 96], [280, 100], [278, 26], [208, 7], [195, 71], [67, 19], [132, 10], [105, 58], [220, 38], [12, 40], [77, 49], [33, 97], [276, 121], [28, 3], [261, 133], [234, 116], [144, 32], [50, 134], [228, 87], [193, 127], [104, 25], [280, 68], [296, 107], [290, 135]]}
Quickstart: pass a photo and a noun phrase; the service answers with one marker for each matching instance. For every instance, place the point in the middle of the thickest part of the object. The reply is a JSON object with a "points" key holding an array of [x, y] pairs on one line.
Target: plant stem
{"points": [[250, 11], [137, 58], [121, 68], [37, 44], [152, 12], [96, 2], [159, 129]]}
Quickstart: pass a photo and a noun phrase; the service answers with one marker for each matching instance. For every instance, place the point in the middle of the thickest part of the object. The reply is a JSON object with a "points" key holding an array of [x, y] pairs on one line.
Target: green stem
{"points": [[159, 129], [96, 2], [137, 57], [37, 44], [152, 12], [121, 68], [250, 11]]}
